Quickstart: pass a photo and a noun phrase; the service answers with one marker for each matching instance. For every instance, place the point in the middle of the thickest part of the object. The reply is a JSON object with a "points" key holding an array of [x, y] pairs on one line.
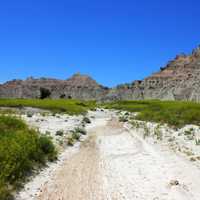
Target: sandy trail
{"points": [[116, 164], [80, 177]]}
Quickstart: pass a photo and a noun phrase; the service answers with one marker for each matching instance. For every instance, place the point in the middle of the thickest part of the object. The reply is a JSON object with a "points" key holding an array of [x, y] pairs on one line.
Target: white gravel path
{"points": [[117, 164], [136, 170]]}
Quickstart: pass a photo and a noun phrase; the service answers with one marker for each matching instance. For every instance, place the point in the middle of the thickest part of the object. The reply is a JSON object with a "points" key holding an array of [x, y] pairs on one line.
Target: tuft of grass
{"points": [[47, 147], [123, 118], [158, 132], [86, 120], [80, 130], [146, 131], [197, 142], [21, 150], [60, 133], [29, 115], [135, 124], [70, 140], [76, 135]]}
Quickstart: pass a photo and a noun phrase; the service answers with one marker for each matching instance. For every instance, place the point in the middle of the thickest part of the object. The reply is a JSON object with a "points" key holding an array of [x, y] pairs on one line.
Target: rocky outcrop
{"points": [[178, 80], [77, 87]]}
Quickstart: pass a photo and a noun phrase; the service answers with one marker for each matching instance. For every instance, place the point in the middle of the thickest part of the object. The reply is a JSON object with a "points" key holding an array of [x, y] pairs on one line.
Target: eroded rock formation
{"points": [[178, 80], [77, 87]]}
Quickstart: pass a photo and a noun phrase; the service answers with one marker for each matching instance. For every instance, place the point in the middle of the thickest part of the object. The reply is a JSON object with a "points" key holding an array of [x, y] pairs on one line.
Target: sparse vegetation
{"points": [[189, 132], [135, 124], [197, 142], [86, 120], [146, 131], [192, 159], [158, 132], [29, 115], [76, 135], [6, 111], [21, 151], [70, 141], [174, 113], [80, 130], [123, 118], [60, 133]]}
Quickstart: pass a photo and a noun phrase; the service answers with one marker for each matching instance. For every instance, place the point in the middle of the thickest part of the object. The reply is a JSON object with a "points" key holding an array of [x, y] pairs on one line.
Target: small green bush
{"points": [[21, 149], [47, 147], [70, 141], [29, 115], [80, 130], [86, 120], [60, 133], [123, 119], [76, 135]]}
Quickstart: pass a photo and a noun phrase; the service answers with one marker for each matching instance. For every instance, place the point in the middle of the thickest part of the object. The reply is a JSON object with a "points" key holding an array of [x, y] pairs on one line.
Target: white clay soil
{"points": [[114, 162]]}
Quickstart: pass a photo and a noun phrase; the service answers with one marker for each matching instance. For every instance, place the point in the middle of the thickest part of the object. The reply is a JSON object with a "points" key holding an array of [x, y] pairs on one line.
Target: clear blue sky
{"points": [[113, 41]]}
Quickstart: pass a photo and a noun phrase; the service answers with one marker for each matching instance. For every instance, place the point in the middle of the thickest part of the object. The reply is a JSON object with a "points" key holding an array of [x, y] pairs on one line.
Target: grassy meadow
{"points": [[174, 113], [57, 105]]}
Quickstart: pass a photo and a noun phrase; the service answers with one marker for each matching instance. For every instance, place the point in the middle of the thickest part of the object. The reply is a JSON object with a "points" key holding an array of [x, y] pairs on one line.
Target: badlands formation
{"points": [[178, 80]]}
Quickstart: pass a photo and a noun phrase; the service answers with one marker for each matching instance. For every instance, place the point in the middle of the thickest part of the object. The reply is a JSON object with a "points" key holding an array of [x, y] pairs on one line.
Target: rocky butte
{"points": [[77, 87], [178, 80]]}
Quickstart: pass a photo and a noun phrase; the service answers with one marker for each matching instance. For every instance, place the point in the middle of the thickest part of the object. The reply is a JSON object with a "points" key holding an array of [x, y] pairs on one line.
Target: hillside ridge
{"points": [[178, 80]]}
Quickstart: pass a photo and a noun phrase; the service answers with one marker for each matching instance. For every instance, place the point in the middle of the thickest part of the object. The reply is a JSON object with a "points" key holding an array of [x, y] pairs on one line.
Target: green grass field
{"points": [[60, 105], [21, 151], [174, 113]]}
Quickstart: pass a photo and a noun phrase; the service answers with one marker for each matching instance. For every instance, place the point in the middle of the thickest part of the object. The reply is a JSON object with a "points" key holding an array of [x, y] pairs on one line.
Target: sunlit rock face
{"points": [[76, 87], [178, 80]]}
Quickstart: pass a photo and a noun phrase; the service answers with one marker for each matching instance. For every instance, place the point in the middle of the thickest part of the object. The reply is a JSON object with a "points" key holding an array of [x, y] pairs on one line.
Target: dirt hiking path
{"points": [[116, 164]]}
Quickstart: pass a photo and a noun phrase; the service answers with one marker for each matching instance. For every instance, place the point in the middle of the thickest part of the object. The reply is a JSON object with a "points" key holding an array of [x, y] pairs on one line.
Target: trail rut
{"points": [[114, 163]]}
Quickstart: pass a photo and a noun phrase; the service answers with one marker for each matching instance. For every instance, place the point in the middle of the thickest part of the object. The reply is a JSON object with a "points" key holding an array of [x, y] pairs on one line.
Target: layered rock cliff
{"points": [[76, 87], [178, 80]]}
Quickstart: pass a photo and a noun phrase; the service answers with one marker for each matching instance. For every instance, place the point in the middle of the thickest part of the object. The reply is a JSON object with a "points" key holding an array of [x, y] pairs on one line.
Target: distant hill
{"points": [[78, 87], [178, 80]]}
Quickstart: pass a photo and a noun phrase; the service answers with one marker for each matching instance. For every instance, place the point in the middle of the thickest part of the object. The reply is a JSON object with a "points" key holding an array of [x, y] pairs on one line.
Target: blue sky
{"points": [[113, 41]]}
